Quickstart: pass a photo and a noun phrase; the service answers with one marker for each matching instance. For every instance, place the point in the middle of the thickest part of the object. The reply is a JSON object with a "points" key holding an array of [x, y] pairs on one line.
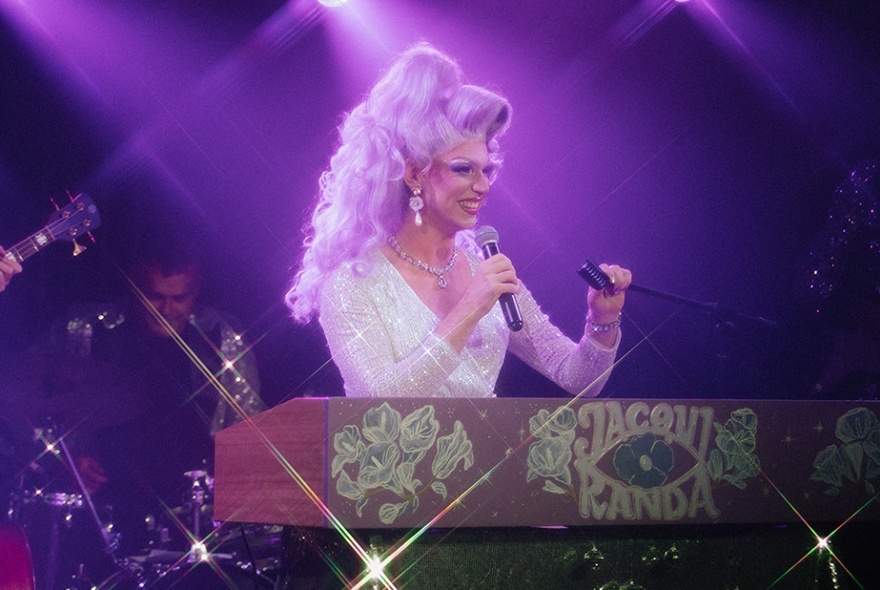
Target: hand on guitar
{"points": [[78, 217], [8, 267]]}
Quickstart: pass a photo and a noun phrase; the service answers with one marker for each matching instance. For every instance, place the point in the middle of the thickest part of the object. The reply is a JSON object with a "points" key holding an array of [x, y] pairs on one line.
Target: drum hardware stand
{"points": [[79, 580], [200, 490], [61, 504], [108, 536], [161, 533], [16, 499]]}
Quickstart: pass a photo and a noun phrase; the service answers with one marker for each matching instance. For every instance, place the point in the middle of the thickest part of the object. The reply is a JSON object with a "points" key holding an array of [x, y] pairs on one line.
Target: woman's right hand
{"points": [[492, 278]]}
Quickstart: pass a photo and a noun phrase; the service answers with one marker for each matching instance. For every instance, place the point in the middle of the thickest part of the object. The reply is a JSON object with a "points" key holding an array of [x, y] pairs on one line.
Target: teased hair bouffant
{"points": [[419, 109]]}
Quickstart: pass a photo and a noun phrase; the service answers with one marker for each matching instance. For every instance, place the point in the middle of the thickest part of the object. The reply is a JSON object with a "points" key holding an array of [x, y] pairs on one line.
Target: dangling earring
{"points": [[416, 203]]}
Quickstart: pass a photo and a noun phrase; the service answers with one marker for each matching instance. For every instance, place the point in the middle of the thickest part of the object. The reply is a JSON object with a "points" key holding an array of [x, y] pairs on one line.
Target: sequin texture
{"points": [[381, 336]]}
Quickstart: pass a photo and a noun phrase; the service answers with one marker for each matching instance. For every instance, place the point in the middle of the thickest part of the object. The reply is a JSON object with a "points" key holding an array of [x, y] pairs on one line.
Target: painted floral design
{"points": [[387, 450], [644, 461], [734, 460], [856, 458], [550, 454]]}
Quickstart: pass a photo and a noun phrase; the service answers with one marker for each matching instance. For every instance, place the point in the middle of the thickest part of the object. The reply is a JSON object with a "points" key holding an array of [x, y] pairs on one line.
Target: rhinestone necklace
{"points": [[441, 281]]}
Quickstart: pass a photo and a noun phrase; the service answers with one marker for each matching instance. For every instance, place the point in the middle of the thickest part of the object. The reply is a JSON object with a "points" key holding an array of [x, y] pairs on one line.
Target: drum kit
{"points": [[189, 550], [73, 540]]}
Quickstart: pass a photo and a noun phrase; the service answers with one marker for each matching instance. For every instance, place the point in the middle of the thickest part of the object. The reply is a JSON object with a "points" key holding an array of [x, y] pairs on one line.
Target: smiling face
{"points": [[456, 186]]}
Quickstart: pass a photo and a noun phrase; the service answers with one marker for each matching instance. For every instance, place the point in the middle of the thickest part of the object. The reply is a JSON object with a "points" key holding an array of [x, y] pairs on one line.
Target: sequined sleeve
{"points": [[581, 367], [381, 346]]}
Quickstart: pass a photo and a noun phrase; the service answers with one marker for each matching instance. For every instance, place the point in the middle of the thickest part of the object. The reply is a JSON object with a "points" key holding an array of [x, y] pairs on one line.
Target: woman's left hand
{"points": [[8, 267], [605, 305]]}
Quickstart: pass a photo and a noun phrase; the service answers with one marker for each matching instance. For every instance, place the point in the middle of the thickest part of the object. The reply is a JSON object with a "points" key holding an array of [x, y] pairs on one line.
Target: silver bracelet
{"points": [[603, 328]]}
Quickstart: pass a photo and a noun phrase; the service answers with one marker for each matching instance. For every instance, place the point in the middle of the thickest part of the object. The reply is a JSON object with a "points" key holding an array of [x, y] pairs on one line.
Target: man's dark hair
{"points": [[170, 254]]}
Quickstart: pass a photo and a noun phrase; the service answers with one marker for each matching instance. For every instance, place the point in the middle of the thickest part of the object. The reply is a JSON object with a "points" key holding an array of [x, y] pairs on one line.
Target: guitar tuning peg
{"points": [[54, 204], [78, 248]]}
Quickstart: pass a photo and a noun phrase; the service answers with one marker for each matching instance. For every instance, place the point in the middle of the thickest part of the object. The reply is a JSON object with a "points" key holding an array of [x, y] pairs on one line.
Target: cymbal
{"points": [[71, 392]]}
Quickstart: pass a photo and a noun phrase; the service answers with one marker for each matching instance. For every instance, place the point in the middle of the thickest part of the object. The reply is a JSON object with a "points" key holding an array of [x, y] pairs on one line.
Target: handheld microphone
{"points": [[487, 239]]}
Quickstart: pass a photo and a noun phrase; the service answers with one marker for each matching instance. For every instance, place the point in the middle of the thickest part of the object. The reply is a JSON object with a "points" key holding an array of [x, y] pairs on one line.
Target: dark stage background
{"points": [[696, 143]]}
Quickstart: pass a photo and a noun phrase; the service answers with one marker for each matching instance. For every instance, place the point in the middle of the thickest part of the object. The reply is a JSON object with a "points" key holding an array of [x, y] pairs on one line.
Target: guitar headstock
{"points": [[78, 217]]}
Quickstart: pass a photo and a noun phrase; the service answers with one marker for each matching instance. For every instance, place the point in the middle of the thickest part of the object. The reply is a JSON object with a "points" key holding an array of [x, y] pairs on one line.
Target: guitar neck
{"points": [[30, 245], [79, 217]]}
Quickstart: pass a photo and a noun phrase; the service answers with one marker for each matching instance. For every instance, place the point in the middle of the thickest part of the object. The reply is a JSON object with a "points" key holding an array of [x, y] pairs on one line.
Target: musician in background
{"points": [[391, 267], [8, 267], [193, 374]]}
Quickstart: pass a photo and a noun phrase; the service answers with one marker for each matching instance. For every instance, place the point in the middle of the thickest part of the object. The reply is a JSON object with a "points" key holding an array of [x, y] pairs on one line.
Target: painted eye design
{"points": [[644, 461]]}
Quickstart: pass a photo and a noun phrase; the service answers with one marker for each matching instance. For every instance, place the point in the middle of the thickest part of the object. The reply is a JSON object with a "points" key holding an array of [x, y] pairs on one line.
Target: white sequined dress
{"points": [[381, 336]]}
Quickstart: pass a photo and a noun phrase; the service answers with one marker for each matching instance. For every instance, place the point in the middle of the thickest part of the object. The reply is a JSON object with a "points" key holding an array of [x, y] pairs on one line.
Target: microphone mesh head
{"points": [[486, 235]]}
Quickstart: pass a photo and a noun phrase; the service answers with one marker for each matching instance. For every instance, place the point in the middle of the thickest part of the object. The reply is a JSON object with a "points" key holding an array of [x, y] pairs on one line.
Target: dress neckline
{"points": [[398, 276]]}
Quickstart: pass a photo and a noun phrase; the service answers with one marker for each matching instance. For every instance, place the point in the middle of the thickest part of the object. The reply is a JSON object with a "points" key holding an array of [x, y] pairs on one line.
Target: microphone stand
{"points": [[724, 317], [725, 320], [717, 310]]}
